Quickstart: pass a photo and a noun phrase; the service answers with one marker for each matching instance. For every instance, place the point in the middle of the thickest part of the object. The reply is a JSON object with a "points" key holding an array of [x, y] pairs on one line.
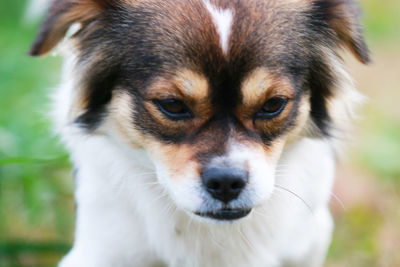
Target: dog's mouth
{"points": [[225, 214]]}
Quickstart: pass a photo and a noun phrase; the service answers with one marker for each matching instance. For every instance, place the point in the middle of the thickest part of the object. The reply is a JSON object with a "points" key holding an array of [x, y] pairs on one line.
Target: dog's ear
{"points": [[61, 15], [343, 17]]}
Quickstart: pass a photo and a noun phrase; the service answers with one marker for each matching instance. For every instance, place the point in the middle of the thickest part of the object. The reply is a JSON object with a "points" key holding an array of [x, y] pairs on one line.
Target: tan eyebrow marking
{"points": [[185, 84], [260, 85], [191, 84]]}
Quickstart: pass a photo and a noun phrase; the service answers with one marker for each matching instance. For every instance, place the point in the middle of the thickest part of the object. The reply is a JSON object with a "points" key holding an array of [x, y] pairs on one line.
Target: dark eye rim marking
{"points": [[184, 114], [264, 114]]}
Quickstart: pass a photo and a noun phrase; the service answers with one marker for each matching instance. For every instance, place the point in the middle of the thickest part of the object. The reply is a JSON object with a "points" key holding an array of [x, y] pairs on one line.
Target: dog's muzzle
{"points": [[225, 185]]}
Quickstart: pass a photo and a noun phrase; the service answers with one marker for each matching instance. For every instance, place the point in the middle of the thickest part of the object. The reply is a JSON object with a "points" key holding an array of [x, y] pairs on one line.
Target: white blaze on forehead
{"points": [[223, 19]]}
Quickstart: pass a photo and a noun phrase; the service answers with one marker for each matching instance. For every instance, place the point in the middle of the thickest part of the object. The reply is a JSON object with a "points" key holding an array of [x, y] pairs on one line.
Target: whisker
{"points": [[151, 183], [197, 242], [245, 239], [145, 173], [284, 172], [296, 195], [189, 224], [260, 213], [282, 165], [169, 209], [338, 200], [163, 194], [215, 241]]}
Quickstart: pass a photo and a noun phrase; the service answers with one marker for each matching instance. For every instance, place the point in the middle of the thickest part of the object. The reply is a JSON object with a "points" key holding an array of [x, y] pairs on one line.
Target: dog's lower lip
{"points": [[225, 214]]}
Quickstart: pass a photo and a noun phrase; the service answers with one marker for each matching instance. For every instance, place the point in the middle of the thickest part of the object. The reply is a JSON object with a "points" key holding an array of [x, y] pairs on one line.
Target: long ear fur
{"points": [[61, 15], [343, 18]]}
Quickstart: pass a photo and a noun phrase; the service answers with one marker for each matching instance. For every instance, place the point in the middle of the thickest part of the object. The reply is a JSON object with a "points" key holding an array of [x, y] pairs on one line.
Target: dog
{"points": [[203, 132]]}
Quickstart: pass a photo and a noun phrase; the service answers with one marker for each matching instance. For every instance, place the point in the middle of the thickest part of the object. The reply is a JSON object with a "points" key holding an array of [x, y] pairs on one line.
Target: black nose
{"points": [[224, 184]]}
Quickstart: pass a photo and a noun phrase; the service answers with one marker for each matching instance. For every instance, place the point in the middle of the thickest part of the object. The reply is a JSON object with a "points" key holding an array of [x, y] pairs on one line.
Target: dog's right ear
{"points": [[343, 17], [61, 15]]}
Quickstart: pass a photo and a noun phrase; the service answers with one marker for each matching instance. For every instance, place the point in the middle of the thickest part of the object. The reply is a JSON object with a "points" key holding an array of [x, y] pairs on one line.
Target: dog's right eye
{"points": [[272, 108], [174, 109]]}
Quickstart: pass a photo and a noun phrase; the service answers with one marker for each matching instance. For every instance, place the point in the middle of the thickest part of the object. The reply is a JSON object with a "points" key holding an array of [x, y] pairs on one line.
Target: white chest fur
{"points": [[125, 217]]}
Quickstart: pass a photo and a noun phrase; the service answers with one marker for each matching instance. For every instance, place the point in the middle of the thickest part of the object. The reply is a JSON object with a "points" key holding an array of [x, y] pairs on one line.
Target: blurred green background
{"points": [[36, 200]]}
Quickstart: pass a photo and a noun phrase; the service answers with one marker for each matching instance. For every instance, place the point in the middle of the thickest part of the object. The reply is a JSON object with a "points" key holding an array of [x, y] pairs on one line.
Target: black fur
{"points": [[126, 47]]}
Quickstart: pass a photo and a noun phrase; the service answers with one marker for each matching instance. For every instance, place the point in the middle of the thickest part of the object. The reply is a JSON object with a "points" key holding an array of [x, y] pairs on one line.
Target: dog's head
{"points": [[213, 90]]}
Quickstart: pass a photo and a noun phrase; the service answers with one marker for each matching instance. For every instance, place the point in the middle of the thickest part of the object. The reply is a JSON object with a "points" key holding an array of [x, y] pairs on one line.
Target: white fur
{"points": [[223, 20], [127, 213], [125, 217]]}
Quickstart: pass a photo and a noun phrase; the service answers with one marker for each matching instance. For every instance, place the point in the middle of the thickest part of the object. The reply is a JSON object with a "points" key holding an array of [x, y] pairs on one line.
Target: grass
{"points": [[36, 201], [35, 186]]}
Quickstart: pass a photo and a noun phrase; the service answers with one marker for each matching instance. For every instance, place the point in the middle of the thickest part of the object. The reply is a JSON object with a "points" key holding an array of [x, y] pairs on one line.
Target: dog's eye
{"points": [[174, 109], [272, 108]]}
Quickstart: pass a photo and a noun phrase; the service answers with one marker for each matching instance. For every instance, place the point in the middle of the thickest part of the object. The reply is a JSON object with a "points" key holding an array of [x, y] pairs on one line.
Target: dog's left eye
{"points": [[174, 109], [272, 108]]}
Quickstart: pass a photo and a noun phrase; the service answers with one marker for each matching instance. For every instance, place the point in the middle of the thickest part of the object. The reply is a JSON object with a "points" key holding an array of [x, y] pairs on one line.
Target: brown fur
{"points": [[259, 87], [133, 53]]}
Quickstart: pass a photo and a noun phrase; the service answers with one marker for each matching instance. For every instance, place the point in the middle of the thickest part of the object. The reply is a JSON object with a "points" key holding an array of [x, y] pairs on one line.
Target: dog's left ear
{"points": [[61, 15], [342, 17]]}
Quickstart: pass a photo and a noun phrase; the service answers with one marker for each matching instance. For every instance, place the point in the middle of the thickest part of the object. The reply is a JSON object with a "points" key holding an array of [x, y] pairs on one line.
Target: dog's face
{"points": [[213, 90]]}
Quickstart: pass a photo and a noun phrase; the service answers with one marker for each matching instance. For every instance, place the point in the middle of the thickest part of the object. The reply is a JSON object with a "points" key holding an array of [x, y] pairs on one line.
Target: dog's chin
{"points": [[225, 215]]}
